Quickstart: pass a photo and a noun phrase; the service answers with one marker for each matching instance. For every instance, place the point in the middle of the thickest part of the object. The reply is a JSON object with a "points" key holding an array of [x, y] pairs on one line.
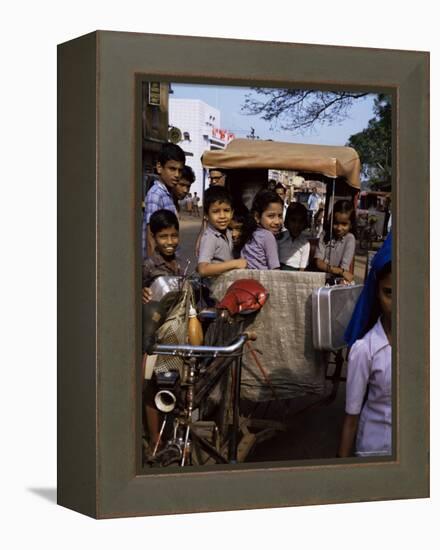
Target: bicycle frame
{"points": [[196, 386]]}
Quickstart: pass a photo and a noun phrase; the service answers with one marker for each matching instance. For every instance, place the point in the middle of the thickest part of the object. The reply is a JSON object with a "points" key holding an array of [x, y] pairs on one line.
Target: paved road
{"points": [[189, 229]]}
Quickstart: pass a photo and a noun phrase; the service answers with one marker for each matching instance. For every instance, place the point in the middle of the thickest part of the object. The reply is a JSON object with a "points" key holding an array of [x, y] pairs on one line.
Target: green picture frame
{"points": [[98, 254]]}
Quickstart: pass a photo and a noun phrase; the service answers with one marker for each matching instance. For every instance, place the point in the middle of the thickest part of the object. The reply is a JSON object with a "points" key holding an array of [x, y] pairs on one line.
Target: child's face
{"points": [[384, 294], [295, 225], [181, 189], [220, 215], [341, 224], [170, 173], [272, 218], [236, 228], [166, 241]]}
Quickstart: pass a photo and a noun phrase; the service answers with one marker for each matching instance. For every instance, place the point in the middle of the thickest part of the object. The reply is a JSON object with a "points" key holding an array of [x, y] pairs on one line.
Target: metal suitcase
{"points": [[332, 308]]}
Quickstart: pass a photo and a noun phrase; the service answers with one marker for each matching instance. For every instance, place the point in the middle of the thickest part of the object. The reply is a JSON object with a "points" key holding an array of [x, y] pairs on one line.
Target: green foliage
{"points": [[374, 145]]}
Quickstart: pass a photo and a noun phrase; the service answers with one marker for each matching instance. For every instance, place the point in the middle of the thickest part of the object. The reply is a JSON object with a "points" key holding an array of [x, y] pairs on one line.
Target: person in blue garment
{"points": [[367, 428]]}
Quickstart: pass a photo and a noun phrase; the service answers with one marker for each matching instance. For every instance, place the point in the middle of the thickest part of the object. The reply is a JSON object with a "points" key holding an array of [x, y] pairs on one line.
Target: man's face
{"points": [[170, 173], [181, 189], [281, 192], [217, 178]]}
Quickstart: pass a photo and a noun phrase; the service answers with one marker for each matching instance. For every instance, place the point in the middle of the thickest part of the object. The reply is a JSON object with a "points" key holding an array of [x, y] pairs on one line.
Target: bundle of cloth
{"points": [[288, 363]]}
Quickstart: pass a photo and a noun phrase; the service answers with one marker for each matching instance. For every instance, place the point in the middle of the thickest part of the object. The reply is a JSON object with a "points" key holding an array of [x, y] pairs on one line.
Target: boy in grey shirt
{"points": [[215, 255]]}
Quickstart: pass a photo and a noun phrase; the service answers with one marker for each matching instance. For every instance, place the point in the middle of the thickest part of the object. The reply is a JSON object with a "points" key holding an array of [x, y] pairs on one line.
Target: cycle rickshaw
{"points": [[287, 360]]}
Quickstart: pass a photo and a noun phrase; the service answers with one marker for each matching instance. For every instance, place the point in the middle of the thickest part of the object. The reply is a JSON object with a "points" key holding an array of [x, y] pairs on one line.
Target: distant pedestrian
{"points": [[189, 204], [313, 203], [195, 204], [282, 192]]}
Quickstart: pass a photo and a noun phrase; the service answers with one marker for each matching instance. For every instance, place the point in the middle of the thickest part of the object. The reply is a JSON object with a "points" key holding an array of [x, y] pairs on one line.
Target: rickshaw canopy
{"points": [[330, 161]]}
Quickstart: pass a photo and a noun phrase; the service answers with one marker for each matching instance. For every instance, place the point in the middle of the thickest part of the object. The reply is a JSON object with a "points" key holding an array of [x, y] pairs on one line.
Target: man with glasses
{"points": [[216, 177]]}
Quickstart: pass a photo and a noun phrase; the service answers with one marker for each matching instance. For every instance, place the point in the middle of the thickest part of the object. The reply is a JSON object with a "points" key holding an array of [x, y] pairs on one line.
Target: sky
{"points": [[229, 99]]}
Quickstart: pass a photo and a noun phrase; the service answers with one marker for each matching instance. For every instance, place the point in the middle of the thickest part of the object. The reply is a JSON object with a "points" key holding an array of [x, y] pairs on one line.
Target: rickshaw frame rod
{"points": [[186, 350], [208, 380], [212, 451], [233, 447]]}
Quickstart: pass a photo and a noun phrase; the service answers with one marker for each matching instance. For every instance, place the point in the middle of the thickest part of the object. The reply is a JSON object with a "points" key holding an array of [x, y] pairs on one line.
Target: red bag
{"points": [[244, 296]]}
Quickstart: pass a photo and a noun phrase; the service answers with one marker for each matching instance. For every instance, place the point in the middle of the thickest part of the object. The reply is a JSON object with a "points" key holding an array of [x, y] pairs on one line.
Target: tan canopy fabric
{"points": [[321, 159]]}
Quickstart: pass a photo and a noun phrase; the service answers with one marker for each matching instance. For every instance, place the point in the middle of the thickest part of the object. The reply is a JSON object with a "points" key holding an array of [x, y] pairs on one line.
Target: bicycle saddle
{"points": [[244, 296]]}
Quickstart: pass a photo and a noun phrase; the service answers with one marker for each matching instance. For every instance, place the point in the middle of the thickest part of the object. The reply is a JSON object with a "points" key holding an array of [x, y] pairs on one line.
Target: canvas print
{"points": [[266, 249]]}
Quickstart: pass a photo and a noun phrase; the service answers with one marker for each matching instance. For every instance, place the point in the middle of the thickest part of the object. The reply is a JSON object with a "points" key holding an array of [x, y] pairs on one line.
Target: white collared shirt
{"points": [[294, 253], [369, 364]]}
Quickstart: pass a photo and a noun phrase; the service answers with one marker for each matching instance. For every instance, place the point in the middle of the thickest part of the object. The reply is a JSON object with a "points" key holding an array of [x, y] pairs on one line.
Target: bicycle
{"points": [[181, 399]]}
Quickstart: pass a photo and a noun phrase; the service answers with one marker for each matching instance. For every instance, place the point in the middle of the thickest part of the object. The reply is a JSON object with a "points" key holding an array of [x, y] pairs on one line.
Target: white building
{"points": [[201, 131]]}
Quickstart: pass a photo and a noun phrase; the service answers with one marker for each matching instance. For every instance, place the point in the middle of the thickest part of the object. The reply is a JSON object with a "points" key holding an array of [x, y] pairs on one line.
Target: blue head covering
{"points": [[358, 325]]}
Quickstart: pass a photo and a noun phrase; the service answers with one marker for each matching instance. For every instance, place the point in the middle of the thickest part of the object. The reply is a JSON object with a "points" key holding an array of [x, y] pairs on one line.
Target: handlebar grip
{"points": [[251, 335]]}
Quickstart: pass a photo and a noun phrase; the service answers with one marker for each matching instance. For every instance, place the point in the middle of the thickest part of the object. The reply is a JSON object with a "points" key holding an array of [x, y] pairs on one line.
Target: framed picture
{"points": [[121, 97]]}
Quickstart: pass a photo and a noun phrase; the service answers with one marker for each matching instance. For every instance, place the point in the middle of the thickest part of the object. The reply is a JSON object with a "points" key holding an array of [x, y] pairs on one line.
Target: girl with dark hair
{"points": [[258, 242], [335, 251], [368, 392]]}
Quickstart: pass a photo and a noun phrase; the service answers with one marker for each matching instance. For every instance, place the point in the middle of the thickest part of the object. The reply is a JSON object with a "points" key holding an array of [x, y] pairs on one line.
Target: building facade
{"points": [[201, 130]]}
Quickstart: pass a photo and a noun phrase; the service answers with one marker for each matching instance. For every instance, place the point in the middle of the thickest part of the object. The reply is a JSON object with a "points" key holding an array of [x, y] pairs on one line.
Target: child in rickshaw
{"points": [[215, 255], [335, 255], [259, 246], [367, 423], [239, 220], [293, 245], [164, 228]]}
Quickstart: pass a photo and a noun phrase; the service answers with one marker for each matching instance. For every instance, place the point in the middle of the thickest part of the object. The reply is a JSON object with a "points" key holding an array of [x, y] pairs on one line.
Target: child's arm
{"points": [[305, 253], [150, 242], [271, 251], [200, 235], [147, 294], [321, 265], [349, 431], [147, 267], [347, 257], [207, 269], [358, 375]]}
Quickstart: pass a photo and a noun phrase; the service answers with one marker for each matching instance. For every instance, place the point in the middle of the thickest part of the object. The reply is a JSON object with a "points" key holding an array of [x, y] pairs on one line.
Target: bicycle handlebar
{"points": [[186, 350]]}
